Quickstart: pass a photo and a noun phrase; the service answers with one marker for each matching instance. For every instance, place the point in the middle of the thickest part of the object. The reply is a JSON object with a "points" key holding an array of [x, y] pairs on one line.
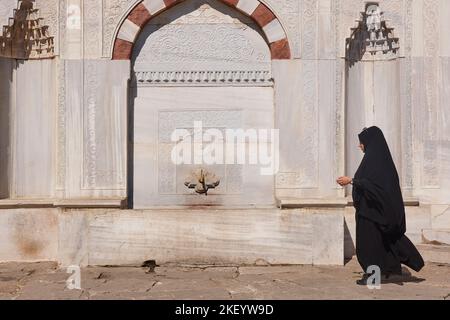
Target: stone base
{"points": [[196, 236], [436, 236], [435, 253]]}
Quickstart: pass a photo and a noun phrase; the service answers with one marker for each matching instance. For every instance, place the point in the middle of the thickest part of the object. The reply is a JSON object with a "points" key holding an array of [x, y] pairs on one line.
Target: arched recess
{"points": [[145, 10], [201, 61]]}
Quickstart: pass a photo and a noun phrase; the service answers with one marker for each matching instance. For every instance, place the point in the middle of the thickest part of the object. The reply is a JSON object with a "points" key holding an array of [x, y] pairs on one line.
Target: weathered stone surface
{"points": [[209, 236], [437, 236], [28, 234], [73, 229], [435, 253], [328, 225], [160, 110]]}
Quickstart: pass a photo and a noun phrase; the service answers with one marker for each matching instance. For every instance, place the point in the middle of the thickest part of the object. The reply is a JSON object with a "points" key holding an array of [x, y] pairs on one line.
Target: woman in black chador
{"points": [[380, 211]]}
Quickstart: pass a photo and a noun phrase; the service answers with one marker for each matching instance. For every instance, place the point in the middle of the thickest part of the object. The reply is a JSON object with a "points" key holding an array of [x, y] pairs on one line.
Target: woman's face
{"points": [[361, 146]]}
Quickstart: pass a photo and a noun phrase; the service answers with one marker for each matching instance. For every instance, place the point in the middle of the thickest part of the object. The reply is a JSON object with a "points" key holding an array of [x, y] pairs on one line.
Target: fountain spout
{"points": [[202, 181]]}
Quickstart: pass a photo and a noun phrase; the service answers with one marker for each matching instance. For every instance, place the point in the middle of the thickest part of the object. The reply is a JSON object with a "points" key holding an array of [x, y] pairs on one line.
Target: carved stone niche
{"points": [[372, 38], [26, 36]]}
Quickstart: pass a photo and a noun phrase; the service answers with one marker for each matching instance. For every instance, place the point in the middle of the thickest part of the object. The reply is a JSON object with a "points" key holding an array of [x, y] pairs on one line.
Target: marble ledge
{"points": [[205, 207], [409, 202], [62, 203], [296, 203]]}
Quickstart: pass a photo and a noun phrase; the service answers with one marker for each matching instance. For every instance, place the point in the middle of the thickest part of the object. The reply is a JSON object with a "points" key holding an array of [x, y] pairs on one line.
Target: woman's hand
{"points": [[344, 181]]}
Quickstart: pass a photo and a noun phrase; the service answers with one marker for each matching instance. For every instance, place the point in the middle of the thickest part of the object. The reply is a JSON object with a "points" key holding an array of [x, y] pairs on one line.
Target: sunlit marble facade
{"points": [[89, 91]]}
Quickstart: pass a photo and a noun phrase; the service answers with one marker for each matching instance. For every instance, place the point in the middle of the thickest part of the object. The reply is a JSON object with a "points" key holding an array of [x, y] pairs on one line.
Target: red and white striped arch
{"points": [[145, 10]]}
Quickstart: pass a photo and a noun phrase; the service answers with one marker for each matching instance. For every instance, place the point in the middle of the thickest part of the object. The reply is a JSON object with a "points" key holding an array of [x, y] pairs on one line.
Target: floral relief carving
{"points": [[113, 12], [173, 43], [92, 20]]}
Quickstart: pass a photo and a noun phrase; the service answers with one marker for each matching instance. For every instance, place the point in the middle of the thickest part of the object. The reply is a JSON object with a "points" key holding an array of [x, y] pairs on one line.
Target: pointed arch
{"points": [[145, 10]]}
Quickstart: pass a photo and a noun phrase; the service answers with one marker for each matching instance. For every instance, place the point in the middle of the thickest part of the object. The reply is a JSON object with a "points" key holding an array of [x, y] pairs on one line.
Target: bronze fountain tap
{"points": [[202, 181]]}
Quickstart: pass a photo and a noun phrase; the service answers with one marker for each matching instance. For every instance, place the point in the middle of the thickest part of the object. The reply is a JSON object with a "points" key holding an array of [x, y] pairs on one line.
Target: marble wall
{"points": [[306, 114], [430, 108], [64, 127], [34, 134], [373, 98], [27, 142], [118, 237], [316, 30]]}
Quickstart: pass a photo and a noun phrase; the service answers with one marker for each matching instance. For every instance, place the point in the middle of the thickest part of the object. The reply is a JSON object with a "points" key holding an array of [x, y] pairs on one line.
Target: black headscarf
{"points": [[378, 180]]}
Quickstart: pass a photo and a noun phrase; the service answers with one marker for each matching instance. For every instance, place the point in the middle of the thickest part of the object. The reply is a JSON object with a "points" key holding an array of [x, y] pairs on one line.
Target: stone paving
{"points": [[46, 280]]}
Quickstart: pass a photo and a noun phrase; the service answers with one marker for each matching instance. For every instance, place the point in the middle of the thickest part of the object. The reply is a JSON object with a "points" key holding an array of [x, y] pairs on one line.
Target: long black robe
{"points": [[380, 211]]}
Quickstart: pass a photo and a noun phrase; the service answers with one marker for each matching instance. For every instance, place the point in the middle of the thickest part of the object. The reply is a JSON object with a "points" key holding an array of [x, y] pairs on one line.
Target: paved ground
{"points": [[46, 281]]}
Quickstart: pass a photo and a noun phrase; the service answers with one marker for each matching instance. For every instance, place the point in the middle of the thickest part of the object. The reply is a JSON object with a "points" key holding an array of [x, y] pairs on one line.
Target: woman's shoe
{"points": [[363, 280]]}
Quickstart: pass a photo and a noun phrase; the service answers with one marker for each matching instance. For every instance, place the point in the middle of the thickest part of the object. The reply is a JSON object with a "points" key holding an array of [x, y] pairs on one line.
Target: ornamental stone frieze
{"points": [[372, 38]]}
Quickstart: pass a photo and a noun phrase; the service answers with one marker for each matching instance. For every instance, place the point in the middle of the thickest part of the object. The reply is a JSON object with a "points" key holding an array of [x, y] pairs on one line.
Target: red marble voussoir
{"points": [[139, 15], [263, 15], [122, 50], [280, 50], [232, 3], [170, 3]]}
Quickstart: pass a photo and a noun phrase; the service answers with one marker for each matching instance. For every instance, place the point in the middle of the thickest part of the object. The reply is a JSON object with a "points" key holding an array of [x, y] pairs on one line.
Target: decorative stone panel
{"points": [[141, 14]]}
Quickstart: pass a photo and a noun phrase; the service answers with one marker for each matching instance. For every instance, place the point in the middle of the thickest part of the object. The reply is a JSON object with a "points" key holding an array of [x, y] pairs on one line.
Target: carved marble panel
{"points": [[104, 131], [430, 173], [170, 176], [93, 28], [201, 36], [94, 128], [49, 11], [159, 111], [309, 29], [297, 117], [61, 128]]}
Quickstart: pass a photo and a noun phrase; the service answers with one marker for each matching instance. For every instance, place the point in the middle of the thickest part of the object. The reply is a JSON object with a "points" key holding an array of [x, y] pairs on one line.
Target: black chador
{"points": [[380, 211]]}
